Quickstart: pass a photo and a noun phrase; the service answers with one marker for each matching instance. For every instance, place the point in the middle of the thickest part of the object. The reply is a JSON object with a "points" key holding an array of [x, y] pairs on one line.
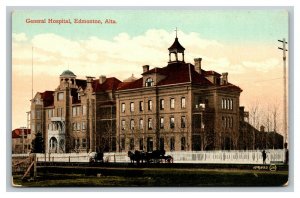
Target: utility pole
{"points": [[283, 48]]}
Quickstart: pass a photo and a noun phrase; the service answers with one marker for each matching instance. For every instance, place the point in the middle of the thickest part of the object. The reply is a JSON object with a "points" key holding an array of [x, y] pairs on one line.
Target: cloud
{"points": [[265, 65], [128, 53], [56, 44], [19, 37]]}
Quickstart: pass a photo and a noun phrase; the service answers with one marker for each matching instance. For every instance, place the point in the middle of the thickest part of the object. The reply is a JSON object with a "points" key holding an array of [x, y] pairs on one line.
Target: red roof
{"points": [[178, 72], [230, 87], [17, 133], [48, 98], [211, 73], [109, 84], [174, 73]]}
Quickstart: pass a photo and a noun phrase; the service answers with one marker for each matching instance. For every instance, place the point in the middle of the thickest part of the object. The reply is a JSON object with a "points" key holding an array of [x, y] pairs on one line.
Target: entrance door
{"points": [[149, 144]]}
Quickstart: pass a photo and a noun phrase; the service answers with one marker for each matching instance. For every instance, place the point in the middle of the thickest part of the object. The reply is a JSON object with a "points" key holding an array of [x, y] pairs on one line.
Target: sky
{"points": [[240, 42]]}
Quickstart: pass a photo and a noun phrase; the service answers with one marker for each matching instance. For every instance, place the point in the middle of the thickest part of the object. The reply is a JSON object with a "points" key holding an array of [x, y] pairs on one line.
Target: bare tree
{"points": [[254, 120]]}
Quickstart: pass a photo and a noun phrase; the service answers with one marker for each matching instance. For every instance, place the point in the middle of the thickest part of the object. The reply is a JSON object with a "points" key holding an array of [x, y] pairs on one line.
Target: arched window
{"points": [[149, 82]]}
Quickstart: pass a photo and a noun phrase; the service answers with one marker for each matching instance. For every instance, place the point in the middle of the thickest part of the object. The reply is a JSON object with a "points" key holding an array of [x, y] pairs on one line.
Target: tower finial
{"points": [[176, 32]]}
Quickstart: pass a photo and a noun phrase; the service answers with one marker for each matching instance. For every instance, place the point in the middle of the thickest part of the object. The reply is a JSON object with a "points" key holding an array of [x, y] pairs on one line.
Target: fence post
{"points": [[34, 166]]}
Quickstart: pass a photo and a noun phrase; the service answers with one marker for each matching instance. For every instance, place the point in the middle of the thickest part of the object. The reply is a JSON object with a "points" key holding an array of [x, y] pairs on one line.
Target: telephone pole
{"points": [[283, 48]]}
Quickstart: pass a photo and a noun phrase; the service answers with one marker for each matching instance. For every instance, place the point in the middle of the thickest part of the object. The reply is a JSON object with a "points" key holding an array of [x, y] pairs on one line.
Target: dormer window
{"points": [[149, 82]]}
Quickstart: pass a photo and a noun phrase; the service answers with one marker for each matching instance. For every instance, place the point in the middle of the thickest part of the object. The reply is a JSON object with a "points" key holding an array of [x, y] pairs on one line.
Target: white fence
{"points": [[214, 157]]}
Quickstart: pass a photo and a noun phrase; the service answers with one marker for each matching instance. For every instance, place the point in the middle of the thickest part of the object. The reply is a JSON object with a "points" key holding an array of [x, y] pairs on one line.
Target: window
{"points": [[122, 143], [78, 126], [231, 104], [73, 111], [183, 143], [77, 143], [150, 105], [150, 123], [38, 127], [49, 113], [162, 104], [162, 123], [32, 127], [161, 143], [131, 144], [149, 144], [172, 122], [183, 121], [84, 143], [141, 124], [83, 126], [141, 144], [132, 124], [172, 143], [83, 109], [59, 112], [172, 103], [60, 96], [182, 103], [123, 107], [149, 82], [228, 103], [222, 104], [38, 114], [131, 107], [123, 124], [225, 105], [141, 106], [32, 114], [78, 110]]}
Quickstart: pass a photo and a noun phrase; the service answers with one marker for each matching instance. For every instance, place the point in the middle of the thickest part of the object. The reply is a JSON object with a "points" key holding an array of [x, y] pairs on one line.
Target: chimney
{"points": [[224, 78], [89, 81], [198, 64], [102, 79], [145, 68]]}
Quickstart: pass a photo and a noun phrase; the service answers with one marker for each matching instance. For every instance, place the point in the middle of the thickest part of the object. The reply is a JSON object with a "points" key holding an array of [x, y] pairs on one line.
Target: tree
{"points": [[38, 143]]}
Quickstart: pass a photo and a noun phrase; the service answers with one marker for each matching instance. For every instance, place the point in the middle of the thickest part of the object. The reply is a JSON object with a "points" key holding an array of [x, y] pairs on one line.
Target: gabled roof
{"points": [[17, 133], [176, 73], [110, 84], [211, 73], [131, 85]]}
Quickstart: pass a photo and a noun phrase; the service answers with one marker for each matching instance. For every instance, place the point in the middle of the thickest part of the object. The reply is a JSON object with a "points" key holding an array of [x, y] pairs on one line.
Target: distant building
{"points": [[21, 140], [251, 139]]}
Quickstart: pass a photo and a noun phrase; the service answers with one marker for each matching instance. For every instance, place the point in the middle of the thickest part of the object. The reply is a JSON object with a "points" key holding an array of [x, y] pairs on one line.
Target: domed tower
{"points": [[176, 49], [68, 77]]}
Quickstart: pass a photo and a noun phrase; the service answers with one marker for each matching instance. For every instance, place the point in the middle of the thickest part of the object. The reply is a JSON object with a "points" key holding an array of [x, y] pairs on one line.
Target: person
{"points": [[264, 156]]}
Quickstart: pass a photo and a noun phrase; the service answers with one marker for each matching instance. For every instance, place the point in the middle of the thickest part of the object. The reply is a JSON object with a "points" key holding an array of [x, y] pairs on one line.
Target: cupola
{"points": [[176, 49]]}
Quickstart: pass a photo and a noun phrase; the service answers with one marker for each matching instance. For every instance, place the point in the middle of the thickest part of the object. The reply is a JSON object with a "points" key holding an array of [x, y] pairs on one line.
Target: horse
{"points": [[168, 159], [136, 156]]}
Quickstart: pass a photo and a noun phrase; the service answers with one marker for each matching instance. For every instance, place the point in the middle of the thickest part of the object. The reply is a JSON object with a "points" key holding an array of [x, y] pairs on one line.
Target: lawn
{"points": [[155, 177]]}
